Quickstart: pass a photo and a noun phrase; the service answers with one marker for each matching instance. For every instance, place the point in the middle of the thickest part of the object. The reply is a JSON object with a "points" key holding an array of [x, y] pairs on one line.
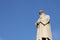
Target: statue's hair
{"points": [[41, 11]]}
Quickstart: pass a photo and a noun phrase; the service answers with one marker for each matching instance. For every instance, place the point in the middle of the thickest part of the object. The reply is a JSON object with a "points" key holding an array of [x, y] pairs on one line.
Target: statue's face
{"points": [[42, 13]]}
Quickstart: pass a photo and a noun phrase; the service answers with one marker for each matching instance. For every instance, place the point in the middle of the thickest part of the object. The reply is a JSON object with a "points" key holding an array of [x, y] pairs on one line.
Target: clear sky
{"points": [[18, 17]]}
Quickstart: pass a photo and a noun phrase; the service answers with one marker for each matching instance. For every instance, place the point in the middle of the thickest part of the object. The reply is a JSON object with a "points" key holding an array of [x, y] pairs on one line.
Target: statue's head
{"points": [[41, 12]]}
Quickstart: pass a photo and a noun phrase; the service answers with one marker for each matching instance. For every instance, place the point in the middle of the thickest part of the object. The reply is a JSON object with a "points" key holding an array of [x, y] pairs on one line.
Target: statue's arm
{"points": [[38, 22], [45, 20]]}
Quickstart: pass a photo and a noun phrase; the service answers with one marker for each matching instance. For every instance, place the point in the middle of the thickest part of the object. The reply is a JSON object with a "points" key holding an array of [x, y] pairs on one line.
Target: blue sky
{"points": [[18, 17]]}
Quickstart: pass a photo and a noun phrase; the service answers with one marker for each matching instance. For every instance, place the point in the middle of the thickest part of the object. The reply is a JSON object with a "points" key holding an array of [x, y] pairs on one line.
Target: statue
{"points": [[43, 27]]}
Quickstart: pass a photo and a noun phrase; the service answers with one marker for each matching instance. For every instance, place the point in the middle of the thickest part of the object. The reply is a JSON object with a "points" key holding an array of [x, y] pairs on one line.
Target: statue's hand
{"points": [[37, 24]]}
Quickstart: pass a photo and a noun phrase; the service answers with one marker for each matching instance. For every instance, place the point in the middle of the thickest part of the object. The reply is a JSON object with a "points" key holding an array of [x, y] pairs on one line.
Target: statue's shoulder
{"points": [[47, 16]]}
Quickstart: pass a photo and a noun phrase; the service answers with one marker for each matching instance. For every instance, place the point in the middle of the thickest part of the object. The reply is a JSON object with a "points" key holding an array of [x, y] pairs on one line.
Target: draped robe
{"points": [[43, 27]]}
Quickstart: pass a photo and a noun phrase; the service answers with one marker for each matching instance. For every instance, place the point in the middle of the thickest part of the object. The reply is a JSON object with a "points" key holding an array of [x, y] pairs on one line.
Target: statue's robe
{"points": [[43, 27]]}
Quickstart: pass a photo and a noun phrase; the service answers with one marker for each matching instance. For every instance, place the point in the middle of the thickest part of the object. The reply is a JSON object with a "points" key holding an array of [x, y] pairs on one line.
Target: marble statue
{"points": [[43, 27]]}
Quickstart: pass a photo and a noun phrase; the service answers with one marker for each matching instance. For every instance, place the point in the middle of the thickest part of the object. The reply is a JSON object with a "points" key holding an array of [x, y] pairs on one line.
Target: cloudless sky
{"points": [[18, 17]]}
